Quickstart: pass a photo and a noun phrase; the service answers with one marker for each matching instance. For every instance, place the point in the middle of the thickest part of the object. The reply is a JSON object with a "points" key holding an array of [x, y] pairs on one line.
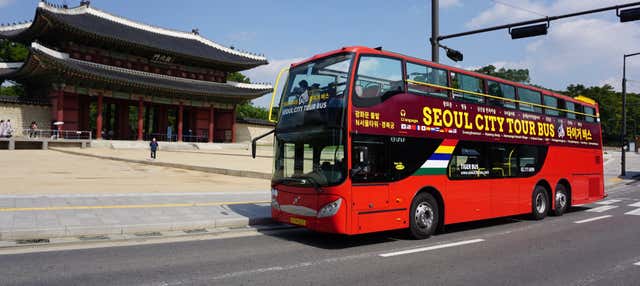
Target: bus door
{"points": [[505, 193], [469, 189], [369, 191]]}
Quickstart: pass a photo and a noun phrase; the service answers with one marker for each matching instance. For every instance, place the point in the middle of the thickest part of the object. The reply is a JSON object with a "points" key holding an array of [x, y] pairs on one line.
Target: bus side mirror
{"points": [[254, 142]]}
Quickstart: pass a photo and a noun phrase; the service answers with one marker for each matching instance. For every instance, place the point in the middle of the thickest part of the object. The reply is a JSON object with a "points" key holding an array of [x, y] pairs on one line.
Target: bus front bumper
{"points": [[317, 212]]}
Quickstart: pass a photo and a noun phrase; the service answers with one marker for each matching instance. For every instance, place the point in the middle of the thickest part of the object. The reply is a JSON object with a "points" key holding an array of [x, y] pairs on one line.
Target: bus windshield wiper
{"points": [[302, 180]]}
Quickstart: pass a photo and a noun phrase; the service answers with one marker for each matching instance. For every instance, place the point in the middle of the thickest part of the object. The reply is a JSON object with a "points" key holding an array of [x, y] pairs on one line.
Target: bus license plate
{"points": [[298, 221]]}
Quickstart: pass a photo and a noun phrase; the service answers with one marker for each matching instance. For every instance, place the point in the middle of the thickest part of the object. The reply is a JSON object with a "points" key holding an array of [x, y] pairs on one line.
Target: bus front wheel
{"points": [[540, 203], [424, 216]]}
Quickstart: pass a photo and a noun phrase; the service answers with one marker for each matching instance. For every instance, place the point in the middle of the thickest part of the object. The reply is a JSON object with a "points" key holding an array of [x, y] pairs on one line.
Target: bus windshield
{"points": [[310, 131], [315, 94]]}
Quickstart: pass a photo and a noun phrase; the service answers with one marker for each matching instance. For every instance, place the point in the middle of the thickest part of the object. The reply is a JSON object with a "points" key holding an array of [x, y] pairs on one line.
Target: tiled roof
{"points": [[85, 19], [45, 60]]}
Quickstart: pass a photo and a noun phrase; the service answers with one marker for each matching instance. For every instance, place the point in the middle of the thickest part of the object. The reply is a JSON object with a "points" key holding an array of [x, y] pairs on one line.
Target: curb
{"points": [[214, 170], [63, 232]]}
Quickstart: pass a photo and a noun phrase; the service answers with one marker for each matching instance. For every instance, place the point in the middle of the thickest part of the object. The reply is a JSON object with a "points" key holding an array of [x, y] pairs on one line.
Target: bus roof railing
{"points": [[506, 99]]}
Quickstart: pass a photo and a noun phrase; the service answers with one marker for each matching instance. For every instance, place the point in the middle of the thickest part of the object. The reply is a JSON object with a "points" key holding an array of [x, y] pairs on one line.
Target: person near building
{"points": [[8, 129], [154, 147], [2, 128]]}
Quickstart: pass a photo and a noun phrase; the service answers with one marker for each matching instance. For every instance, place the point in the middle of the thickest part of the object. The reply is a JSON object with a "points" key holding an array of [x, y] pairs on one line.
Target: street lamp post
{"points": [[623, 134], [435, 31]]}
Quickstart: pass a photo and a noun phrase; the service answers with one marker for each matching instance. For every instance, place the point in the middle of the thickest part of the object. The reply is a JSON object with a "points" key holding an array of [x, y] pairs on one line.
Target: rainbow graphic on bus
{"points": [[439, 160]]}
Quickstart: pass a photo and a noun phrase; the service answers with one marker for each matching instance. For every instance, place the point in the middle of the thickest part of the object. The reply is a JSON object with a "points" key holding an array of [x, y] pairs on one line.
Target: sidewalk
{"points": [[47, 217], [51, 195], [612, 168]]}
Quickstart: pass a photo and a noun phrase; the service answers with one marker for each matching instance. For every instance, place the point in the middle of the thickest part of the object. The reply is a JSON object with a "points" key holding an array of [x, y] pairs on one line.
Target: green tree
{"points": [[517, 75], [247, 109], [238, 77], [12, 52]]}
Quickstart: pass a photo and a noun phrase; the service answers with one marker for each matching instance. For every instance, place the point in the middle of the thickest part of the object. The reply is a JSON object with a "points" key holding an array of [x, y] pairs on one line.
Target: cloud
{"points": [[587, 51], [268, 73], [500, 13]]}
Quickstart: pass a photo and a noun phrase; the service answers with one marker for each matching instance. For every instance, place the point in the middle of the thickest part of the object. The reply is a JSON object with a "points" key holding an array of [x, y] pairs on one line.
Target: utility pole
{"points": [[623, 134], [435, 33], [624, 117]]}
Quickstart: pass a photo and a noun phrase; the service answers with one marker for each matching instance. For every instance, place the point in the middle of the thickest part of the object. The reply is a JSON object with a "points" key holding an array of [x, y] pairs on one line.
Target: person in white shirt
{"points": [[2, 128], [8, 129]]}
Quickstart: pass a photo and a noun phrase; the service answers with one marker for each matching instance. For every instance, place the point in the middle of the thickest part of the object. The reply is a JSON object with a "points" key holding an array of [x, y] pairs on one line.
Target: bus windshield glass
{"points": [[310, 131], [315, 94]]}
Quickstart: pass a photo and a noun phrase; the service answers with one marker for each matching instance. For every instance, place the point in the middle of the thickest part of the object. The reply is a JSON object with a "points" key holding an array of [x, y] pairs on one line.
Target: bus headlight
{"points": [[330, 209], [274, 193]]}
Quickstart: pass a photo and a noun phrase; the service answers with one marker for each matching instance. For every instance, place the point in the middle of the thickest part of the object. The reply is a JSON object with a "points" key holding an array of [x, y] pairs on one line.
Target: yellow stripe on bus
{"points": [[497, 97], [445, 149]]}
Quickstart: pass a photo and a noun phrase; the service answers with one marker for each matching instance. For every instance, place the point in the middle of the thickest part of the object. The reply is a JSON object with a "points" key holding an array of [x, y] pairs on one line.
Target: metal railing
{"points": [[39, 134], [174, 137]]}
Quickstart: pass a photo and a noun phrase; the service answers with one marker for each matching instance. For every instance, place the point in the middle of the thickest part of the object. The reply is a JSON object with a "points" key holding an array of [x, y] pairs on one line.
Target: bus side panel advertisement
{"points": [[424, 116]]}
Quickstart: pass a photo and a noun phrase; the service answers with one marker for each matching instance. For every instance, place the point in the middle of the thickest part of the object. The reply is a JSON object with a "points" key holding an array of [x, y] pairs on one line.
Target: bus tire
{"points": [[561, 200], [423, 217], [539, 203]]}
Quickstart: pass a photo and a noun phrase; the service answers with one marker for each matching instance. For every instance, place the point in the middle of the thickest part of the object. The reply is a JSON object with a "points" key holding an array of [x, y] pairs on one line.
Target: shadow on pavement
{"points": [[337, 241]]}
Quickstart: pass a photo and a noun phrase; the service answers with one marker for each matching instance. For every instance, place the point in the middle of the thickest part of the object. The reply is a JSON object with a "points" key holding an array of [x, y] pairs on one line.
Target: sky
{"points": [[586, 49]]}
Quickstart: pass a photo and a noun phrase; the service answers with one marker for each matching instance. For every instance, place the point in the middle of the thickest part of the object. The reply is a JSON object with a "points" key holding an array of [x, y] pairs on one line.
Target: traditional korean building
{"points": [[98, 71]]}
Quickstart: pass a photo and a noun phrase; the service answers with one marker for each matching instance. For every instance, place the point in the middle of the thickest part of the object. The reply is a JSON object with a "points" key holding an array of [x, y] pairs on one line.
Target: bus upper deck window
{"points": [[377, 79]]}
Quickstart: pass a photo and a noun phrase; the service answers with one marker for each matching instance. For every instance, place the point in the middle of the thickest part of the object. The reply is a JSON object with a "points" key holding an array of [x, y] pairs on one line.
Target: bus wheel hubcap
{"points": [[561, 200], [540, 203], [424, 215]]}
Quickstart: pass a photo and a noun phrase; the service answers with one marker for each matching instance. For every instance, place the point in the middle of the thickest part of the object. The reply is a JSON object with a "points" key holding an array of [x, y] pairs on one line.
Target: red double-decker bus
{"points": [[369, 140]]}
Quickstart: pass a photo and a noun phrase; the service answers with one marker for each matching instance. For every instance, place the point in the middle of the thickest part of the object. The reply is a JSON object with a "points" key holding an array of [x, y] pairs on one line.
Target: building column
{"points": [[180, 117], [140, 118], [99, 117], [233, 125], [60, 106], [211, 123]]}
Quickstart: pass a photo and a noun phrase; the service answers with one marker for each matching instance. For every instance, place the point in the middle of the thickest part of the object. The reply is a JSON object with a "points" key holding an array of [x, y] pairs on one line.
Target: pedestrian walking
{"points": [[8, 129], [33, 129], [154, 147], [2, 128]]}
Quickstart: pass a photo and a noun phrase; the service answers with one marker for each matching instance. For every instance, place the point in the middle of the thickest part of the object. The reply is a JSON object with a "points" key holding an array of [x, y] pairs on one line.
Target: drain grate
{"points": [[92, 237], [148, 234], [32, 241], [198, 230]]}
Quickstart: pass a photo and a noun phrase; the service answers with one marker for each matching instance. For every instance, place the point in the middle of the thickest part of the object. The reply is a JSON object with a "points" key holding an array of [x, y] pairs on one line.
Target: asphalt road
{"points": [[597, 244]]}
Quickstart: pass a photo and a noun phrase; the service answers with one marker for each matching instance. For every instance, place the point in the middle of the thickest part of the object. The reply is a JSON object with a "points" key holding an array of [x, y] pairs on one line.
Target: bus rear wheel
{"points": [[540, 203], [424, 216], [561, 200]]}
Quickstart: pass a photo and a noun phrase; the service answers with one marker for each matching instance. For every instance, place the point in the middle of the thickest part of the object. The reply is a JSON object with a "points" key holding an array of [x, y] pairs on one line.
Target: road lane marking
{"points": [[601, 209], [409, 251], [633, 212], [141, 206], [608, 202], [636, 205], [637, 263], [593, 219]]}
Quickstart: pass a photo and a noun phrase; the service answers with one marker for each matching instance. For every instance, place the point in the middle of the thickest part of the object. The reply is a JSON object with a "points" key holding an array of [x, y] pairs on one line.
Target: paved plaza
{"points": [[48, 194]]}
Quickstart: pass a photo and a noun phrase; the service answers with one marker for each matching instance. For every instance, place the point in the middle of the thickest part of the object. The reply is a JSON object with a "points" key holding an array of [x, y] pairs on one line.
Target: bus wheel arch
{"points": [[439, 201], [541, 202], [562, 198]]}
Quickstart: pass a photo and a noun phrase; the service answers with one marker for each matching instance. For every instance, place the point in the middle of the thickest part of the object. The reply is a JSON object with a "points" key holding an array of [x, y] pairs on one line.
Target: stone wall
{"points": [[21, 116], [246, 132]]}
